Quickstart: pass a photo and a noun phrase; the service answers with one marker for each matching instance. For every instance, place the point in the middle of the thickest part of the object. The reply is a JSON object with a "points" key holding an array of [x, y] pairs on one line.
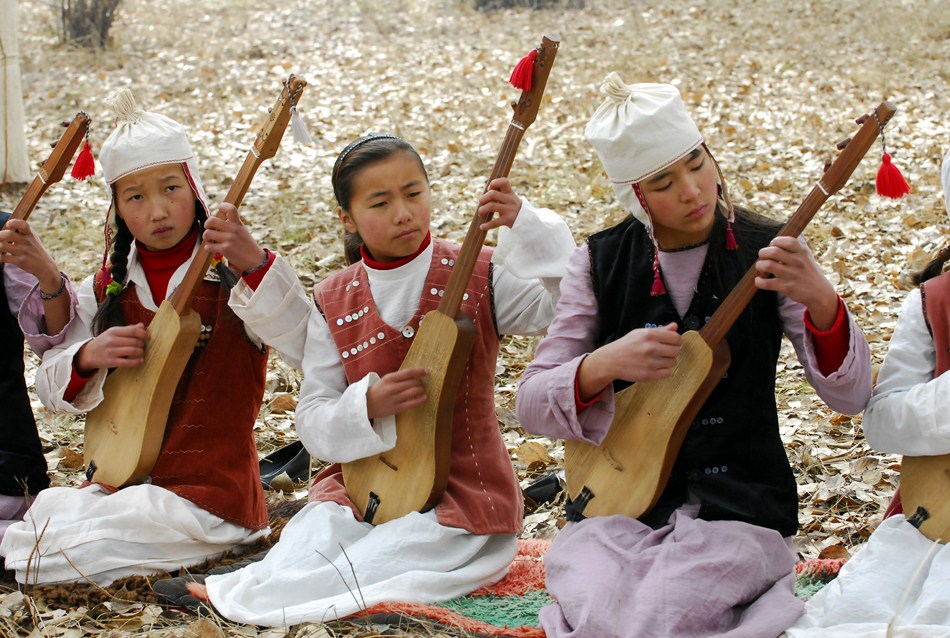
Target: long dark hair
{"points": [[931, 270], [109, 314], [357, 156]]}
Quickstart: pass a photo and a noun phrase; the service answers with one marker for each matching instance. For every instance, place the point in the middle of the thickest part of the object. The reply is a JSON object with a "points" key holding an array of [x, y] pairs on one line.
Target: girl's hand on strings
{"points": [[502, 202], [644, 354], [787, 266], [231, 238], [396, 392], [117, 347], [20, 247]]}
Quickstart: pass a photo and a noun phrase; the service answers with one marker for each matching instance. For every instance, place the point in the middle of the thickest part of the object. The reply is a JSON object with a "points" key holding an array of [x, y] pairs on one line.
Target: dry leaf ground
{"points": [[773, 85]]}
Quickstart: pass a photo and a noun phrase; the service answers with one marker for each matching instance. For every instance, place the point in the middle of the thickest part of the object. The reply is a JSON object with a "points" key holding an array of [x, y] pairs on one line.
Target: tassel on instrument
{"points": [[524, 71], [85, 166], [890, 181], [298, 128]]}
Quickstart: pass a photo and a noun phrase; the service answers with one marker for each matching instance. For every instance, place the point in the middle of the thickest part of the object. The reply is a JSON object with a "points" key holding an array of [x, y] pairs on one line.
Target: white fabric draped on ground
{"points": [[86, 533], [864, 598], [328, 565]]}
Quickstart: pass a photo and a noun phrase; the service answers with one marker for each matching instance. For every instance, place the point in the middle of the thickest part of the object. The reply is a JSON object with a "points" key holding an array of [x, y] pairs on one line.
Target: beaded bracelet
{"points": [[251, 271], [53, 295]]}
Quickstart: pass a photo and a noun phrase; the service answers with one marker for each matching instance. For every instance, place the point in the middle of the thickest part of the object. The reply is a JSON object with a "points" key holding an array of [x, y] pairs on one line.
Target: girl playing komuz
{"points": [[714, 556], [36, 302], [909, 414], [204, 494], [328, 563]]}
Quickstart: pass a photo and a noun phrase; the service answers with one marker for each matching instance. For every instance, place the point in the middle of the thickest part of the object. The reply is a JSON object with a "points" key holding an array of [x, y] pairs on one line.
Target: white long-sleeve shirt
{"points": [[331, 416], [909, 412]]}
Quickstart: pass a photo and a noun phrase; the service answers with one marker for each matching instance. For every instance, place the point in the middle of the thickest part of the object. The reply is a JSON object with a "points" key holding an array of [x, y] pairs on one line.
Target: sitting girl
{"points": [[204, 493], [41, 303], [329, 563], [909, 414], [714, 554]]}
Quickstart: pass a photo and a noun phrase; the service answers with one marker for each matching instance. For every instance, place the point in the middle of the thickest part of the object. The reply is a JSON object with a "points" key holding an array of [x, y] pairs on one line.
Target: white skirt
{"points": [[328, 565], [866, 595], [86, 534]]}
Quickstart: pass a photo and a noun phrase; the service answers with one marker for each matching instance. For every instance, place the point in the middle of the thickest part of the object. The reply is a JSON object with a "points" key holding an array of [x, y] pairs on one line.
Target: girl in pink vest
{"points": [[329, 562], [900, 578], [203, 495]]}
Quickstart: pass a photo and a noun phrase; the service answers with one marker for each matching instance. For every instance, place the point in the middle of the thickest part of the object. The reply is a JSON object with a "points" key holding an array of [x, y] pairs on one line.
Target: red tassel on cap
{"points": [[523, 74], [731, 243], [85, 165], [890, 182]]}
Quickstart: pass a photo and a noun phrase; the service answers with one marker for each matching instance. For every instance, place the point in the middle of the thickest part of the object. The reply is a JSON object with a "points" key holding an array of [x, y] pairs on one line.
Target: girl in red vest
{"points": [[204, 494], [329, 563], [909, 413]]}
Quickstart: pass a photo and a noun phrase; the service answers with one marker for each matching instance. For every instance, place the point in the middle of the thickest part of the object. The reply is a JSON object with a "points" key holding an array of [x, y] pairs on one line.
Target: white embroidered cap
{"points": [[142, 139], [945, 176], [639, 130]]}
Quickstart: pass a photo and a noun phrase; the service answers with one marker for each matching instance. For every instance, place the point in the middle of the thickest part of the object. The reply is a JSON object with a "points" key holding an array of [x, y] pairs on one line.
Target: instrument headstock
{"points": [[54, 167], [854, 149], [266, 144], [526, 108]]}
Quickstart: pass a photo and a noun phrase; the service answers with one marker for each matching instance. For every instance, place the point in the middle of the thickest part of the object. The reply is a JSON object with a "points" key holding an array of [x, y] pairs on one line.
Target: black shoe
{"points": [[292, 459], [175, 591], [545, 489]]}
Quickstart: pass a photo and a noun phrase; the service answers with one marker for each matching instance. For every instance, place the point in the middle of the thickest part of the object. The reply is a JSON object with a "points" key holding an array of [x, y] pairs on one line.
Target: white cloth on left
{"points": [[865, 596], [140, 529], [328, 565]]}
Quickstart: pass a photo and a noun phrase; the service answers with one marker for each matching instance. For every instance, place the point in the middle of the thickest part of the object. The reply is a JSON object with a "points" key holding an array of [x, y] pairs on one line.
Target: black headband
{"points": [[352, 146]]}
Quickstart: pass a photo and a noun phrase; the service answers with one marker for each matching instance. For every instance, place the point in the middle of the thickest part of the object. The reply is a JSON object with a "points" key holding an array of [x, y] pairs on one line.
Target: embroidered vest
{"points": [[209, 455], [21, 453], [732, 459], [482, 495]]}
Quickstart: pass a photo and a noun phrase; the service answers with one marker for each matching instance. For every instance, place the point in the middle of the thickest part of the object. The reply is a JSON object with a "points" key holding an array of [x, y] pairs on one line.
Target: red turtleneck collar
{"points": [[402, 261], [160, 265]]}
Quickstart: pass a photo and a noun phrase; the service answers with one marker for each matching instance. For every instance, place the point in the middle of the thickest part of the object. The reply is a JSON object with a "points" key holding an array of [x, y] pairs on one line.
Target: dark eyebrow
{"points": [[382, 193], [693, 154]]}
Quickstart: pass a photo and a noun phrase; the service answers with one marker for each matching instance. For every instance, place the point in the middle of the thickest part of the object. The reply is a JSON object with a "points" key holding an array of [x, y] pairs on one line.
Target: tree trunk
{"points": [[14, 161]]}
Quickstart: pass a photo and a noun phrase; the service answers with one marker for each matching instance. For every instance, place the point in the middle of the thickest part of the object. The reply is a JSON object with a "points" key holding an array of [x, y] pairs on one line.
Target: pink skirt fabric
{"points": [[615, 576]]}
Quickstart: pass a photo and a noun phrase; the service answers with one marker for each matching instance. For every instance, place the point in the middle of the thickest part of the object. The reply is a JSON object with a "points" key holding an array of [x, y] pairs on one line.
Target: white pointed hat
{"points": [[142, 139], [639, 130]]}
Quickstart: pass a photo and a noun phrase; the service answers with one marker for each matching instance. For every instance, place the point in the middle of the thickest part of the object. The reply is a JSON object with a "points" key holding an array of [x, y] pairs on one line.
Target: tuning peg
{"points": [[862, 119], [64, 124], [843, 143], [53, 144], [827, 165]]}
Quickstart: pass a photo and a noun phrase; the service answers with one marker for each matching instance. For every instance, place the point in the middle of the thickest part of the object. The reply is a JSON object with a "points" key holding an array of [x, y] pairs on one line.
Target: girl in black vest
{"points": [[36, 302], [713, 556]]}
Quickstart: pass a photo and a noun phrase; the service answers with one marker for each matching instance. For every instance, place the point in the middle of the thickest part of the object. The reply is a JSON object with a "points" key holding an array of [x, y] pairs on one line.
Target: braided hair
{"points": [[109, 315]]}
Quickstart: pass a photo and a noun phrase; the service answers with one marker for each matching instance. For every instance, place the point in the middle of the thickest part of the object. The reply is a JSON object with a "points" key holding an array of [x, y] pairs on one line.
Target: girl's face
{"points": [[682, 200], [157, 204], [390, 207]]}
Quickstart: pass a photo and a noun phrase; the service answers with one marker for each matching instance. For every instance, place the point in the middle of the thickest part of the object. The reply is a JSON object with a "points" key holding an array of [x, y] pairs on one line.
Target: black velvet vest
{"points": [[21, 454], [732, 459]]}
